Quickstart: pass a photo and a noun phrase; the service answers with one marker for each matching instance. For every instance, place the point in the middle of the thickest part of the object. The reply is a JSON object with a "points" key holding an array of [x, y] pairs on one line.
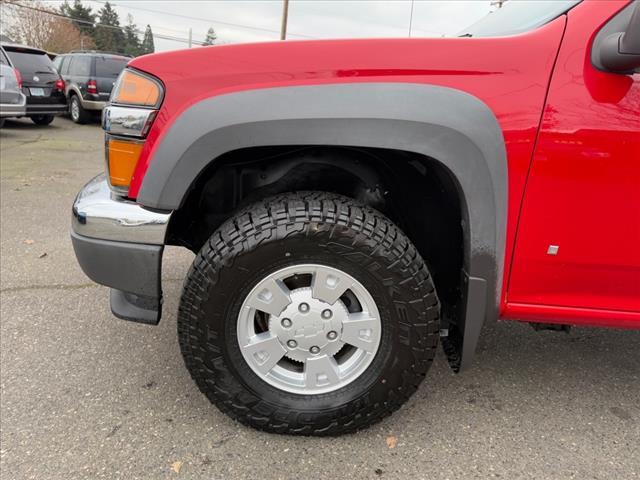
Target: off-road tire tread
{"points": [[276, 218]]}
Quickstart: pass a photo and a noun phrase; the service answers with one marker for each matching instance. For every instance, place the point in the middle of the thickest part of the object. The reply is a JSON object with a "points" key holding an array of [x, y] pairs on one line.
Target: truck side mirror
{"points": [[620, 51]]}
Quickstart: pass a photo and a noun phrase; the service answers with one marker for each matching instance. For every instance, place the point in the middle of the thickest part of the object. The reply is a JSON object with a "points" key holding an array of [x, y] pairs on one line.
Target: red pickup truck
{"points": [[351, 203]]}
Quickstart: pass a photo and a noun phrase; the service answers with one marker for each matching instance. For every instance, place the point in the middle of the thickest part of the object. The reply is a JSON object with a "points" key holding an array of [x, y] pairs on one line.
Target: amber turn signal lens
{"points": [[122, 157], [136, 89]]}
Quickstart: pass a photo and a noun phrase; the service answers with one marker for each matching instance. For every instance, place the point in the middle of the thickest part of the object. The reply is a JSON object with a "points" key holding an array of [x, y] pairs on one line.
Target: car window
{"points": [[3, 58], [110, 66], [517, 16], [31, 63], [70, 65], [57, 62], [64, 67], [81, 66]]}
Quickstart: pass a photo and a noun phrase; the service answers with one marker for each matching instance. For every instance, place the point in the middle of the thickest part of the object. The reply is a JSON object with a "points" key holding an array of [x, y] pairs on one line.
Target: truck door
{"points": [[578, 238]]}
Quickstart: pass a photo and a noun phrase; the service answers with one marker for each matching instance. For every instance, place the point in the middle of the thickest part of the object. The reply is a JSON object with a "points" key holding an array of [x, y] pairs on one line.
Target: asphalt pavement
{"points": [[85, 395]]}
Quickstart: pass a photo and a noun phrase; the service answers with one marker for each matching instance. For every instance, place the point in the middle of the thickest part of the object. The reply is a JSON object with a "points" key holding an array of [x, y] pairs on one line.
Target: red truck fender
{"points": [[441, 123]]}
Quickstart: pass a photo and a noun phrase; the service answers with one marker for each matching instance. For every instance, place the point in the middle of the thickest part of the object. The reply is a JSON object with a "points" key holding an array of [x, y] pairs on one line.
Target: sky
{"points": [[238, 21]]}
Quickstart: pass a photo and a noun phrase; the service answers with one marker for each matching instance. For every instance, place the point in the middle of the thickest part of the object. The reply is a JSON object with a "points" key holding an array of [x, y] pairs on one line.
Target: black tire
{"points": [[42, 120], [2, 120], [80, 116], [308, 227]]}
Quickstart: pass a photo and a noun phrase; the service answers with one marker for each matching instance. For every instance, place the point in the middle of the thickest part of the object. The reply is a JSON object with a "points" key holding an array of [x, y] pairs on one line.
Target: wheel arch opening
{"points": [[418, 193]]}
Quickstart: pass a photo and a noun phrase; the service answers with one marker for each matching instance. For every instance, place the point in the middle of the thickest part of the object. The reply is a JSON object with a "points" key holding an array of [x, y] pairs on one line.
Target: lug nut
{"points": [[286, 323], [303, 307], [292, 344], [327, 313], [314, 350], [332, 335]]}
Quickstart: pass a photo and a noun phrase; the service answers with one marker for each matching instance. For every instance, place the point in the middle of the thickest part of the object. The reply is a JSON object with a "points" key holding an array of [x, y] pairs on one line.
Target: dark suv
{"points": [[89, 76], [41, 83]]}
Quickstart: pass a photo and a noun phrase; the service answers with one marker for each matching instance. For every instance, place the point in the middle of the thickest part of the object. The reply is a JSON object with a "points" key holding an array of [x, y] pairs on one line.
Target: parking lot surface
{"points": [[85, 395]]}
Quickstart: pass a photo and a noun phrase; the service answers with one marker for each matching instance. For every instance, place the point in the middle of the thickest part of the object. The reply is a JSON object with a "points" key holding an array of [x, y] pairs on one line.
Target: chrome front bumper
{"points": [[98, 213], [119, 244]]}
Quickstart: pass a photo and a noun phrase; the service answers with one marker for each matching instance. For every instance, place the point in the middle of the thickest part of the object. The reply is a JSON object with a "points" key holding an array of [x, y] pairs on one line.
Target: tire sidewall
{"points": [[349, 252]]}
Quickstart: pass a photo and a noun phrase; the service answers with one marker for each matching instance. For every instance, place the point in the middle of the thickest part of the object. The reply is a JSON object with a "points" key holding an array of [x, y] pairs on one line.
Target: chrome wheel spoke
{"points": [[266, 351], [361, 331], [321, 372], [272, 297], [329, 285]]}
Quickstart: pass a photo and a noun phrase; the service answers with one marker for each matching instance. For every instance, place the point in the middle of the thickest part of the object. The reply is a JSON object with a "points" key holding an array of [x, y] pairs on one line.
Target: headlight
{"points": [[137, 89], [126, 121]]}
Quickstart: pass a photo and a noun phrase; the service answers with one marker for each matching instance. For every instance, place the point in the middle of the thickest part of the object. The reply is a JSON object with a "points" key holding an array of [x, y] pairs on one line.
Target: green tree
{"points": [[109, 35], [147, 42], [211, 37], [132, 44], [83, 17]]}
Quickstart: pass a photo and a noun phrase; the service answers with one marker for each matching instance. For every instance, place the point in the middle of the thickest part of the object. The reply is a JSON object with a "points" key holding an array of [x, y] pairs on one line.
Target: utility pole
{"points": [[285, 15], [411, 18], [190, 36]]}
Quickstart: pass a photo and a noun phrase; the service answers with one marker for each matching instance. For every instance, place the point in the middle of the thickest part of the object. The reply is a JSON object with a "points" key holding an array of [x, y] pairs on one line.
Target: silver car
{"points": [[12, 100]]}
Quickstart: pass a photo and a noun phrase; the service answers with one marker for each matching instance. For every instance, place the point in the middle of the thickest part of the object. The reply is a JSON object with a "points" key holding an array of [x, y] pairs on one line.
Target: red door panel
{"points": [[583, 193]]}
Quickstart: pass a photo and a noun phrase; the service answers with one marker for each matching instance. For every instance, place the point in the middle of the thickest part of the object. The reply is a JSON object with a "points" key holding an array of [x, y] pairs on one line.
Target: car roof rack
{"points": [[99, 52]]}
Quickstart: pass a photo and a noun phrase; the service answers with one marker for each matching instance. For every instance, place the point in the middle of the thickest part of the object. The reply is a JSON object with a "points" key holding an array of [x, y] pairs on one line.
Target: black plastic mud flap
{"points": [[131, 270], [462, 339], [136, 308]]}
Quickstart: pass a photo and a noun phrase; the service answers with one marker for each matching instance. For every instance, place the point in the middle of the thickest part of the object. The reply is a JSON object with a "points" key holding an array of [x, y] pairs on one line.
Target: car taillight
{"points": [[59, 85], [92, 86], [18, 77]]}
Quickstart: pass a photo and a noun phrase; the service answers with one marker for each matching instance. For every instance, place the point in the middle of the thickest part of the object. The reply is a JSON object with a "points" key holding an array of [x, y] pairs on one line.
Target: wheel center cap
{"points": [[309, 327]]}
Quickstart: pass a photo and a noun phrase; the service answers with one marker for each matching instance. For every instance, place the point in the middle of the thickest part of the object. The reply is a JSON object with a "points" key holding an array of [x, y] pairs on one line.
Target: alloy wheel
{"points": [[309, 329]]}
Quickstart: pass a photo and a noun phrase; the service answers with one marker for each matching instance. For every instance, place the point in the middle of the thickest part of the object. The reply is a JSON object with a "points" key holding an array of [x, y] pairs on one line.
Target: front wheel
{"points": [[308, 314], [42, 120]]}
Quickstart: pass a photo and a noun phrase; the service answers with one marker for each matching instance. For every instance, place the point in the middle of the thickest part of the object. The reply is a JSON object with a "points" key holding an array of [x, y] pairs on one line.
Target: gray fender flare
{"points": [[448, 125]]}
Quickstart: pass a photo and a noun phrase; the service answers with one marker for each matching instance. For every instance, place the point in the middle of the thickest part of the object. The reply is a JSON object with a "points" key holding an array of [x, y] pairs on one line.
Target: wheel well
{"points": [[417, 193], [70, 95]]}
